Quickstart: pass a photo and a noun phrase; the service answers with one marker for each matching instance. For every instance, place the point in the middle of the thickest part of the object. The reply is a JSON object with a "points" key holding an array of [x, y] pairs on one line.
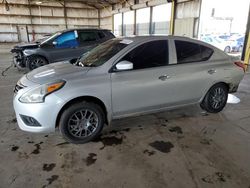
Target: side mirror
{"points": [[54, 43], [124, 65]]}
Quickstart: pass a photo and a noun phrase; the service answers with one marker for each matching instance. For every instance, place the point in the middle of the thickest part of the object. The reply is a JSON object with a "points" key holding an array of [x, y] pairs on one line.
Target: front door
{"points": [[65, 47], [148, 85]]}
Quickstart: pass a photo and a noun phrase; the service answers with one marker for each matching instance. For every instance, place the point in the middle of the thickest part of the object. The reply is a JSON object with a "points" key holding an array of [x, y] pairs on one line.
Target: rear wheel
{"points": [[215, 99], [81, 122], [34, 62]]}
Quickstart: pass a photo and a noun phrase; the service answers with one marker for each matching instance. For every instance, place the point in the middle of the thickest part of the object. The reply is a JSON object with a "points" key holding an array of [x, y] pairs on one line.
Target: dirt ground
{"points": [[179, 148]]}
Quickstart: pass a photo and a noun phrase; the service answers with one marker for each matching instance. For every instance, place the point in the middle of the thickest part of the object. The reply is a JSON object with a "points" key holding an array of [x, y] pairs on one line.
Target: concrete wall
{"points": [[187, 14], [106, 18], [187, 18], [27, 22]]}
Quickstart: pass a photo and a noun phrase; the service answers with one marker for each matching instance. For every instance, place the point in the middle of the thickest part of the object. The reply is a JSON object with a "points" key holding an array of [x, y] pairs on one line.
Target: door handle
{"points": [[164, 77], [211, 71]]}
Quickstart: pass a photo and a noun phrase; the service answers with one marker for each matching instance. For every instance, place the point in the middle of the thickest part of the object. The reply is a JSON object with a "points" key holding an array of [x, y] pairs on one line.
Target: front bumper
{"points": [[19, 59], [44, 113]]}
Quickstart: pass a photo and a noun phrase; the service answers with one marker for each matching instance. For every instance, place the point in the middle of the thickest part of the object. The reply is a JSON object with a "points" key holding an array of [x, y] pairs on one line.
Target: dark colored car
{"points": [[237, 44], [61, 46]]}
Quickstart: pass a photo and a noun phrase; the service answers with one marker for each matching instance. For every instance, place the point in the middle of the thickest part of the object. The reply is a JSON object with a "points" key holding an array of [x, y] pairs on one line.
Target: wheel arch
{"points": [[80, 99]]}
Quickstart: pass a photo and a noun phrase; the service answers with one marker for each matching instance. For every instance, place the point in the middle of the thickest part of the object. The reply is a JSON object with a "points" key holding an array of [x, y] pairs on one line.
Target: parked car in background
{"points": [[217, 42], [237, 43], [124, 77], [61, 46], [223, 37]]}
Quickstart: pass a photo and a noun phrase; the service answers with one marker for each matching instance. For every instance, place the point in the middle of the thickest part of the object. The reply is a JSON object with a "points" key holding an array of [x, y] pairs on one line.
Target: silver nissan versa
{"points": [[124, 77]]}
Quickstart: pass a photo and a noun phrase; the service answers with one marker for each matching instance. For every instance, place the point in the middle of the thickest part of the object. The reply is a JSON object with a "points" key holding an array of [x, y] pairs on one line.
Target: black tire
{"points": [[227, 49], [35, 61], [213, 97], [69, 127]]}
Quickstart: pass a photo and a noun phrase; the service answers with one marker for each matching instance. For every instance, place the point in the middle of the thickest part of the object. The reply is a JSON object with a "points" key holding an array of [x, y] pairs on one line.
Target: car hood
{"points": [[24, 46], [56, 71]]}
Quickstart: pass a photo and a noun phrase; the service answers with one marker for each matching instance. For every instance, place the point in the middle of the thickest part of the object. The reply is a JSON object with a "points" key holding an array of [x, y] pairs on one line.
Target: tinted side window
{"points": [[188, 52], [101, 34], [87, 36], [206, 53], [150, 54], [66, 40]]}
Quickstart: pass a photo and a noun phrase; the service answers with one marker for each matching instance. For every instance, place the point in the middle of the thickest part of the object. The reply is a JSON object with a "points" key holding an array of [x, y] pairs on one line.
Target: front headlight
{"points": [[37, 95]]}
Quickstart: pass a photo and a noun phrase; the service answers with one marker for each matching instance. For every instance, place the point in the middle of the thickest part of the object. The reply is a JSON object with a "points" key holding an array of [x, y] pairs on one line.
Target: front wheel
{"points": [[81, 122], [215, 99], [34, 62]]}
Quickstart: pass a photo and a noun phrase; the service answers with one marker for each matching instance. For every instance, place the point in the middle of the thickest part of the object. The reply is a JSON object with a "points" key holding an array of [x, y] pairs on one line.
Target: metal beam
{"points": [[173, 10], [246, 49], [135, 24], [122, 24], [65, 14], [151, 21], [31, 22], [99, 18]]}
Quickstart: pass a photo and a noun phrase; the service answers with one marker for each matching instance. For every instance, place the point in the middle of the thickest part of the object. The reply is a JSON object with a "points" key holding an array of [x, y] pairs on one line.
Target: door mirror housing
{"points": [[124, 65], [54, 43]]}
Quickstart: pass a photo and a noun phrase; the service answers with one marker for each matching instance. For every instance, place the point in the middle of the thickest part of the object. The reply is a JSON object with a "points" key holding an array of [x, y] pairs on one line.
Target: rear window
{"points": [[188, 52]]}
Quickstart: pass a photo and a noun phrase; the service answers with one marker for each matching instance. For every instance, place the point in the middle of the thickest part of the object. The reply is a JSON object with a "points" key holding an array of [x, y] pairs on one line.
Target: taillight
{"points": [[241, 65]]}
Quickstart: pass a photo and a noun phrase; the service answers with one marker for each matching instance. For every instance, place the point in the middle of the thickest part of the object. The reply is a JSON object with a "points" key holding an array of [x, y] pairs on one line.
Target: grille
{"points": [[18, 87]]}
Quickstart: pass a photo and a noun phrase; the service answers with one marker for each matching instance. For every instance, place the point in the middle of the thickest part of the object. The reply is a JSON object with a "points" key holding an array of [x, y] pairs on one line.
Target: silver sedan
{"points": [[124, 77]]}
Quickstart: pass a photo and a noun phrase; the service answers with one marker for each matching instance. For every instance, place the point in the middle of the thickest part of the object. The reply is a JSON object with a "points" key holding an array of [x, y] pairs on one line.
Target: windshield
{"points": [[51, 37], [101, 53]]}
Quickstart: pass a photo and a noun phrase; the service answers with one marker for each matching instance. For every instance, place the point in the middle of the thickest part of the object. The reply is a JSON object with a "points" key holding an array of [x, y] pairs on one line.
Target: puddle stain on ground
{"points": [[37, 150], [23, 155], [206, 141], [48, 167], [217, 176], [109, 141], [14, 148], [119, 131], [91, 159], [164, 147], [63, 143], [12, 120], [176, 129], [146, 151], [140, 127], [51, 180]]}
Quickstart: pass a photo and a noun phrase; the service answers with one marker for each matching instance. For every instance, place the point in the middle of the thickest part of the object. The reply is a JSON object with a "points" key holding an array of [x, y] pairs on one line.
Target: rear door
{"points": [[149, 85], [193, 72], [88, 40]]}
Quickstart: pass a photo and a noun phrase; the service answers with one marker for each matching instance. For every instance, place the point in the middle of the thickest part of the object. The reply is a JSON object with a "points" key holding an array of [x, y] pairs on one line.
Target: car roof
{"points": [[160, 37], [139, 39], [85, 29]]}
